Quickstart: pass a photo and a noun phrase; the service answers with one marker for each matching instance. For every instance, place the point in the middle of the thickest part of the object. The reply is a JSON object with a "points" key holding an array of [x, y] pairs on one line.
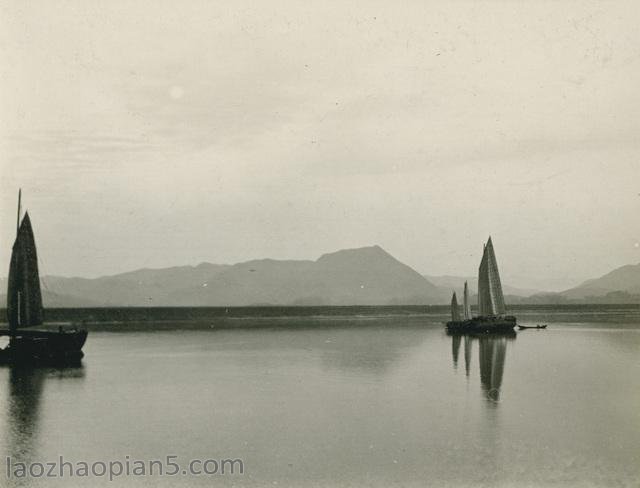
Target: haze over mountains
{"points": [[364, 276], [457, 283], [622, 285]]}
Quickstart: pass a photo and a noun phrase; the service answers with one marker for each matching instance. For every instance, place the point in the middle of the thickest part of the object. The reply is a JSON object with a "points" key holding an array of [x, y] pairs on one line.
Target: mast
{"points": [[18, 321], [18, 222], [455, 313], [465, 303]]}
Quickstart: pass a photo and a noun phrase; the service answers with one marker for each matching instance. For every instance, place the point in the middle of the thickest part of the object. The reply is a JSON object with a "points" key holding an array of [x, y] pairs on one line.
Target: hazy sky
{"points": [[151, 134]]}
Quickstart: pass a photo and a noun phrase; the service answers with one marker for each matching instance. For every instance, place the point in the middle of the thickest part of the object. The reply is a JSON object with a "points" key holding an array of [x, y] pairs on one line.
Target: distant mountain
{"points": [[621, 283], [620, 286], [364, 276], [143, 287], [449, 283]]}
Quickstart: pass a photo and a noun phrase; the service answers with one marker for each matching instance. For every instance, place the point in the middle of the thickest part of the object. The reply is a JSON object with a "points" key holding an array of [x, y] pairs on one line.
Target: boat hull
{"points": [[508, 334], [44, 347], [483, 324]]}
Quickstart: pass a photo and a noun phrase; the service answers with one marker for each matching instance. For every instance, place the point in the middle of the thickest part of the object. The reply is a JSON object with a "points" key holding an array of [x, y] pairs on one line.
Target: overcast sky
{"points": [[152, 134]]}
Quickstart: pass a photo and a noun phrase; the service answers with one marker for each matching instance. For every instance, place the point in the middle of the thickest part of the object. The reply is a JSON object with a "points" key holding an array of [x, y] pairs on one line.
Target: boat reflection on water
{"points": [[492, 354], [25, 391]]}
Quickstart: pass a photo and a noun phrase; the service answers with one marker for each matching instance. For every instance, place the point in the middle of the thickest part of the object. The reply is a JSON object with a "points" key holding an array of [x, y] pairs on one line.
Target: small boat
{"points": [[491, 307], [538, 326], [30, 346]]}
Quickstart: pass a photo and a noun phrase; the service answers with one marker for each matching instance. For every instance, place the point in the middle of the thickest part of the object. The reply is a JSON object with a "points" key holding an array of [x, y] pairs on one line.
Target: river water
{"points": [[375, 400]]}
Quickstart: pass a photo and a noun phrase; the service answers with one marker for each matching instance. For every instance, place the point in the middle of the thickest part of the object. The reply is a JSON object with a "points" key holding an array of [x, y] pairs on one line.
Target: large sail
{"points": [[466, 305], [484, 307], [24, 299], [490, 296], [493, 277], [455, 312]]}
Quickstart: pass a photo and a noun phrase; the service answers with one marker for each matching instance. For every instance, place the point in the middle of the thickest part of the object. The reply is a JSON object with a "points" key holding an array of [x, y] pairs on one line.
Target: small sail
{"points": [[455, 313], [24, 299], [490, 296], [466, 306]]}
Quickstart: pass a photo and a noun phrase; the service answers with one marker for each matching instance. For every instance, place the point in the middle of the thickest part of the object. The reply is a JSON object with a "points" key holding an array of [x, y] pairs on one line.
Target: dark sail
{"points": [[24, 299]]}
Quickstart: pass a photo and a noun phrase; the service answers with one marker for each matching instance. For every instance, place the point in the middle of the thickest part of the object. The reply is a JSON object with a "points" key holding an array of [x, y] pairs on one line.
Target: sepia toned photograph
{"points": [[338, 244]]}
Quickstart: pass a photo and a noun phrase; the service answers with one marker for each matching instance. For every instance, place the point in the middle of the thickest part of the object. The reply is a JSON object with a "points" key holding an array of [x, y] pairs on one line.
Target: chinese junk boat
{"points": [[491, 309], [24, 309]]}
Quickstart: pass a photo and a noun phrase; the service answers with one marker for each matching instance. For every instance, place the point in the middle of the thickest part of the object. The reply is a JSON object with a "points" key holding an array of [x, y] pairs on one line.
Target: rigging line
{"points": [[42, 274]]}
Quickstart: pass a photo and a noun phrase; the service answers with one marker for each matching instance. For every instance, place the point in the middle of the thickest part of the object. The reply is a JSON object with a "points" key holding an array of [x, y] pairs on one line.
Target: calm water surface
{"points": [[372, 401]]}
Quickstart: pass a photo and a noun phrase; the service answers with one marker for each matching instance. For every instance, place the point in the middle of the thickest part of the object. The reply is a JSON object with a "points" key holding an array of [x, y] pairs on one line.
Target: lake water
{"points": [[349, 399]]}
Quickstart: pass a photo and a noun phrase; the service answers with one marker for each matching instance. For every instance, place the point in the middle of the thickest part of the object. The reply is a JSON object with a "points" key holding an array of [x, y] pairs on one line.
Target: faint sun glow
{"points": [[176, 92]]}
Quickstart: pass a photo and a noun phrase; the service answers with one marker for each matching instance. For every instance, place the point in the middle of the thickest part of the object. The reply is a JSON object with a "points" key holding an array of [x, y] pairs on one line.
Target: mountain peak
{"points": [[368, 252]]}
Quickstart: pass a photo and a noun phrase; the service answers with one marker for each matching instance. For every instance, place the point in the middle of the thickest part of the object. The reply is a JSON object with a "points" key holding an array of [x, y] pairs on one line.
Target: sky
{"points": [[163, 133]]}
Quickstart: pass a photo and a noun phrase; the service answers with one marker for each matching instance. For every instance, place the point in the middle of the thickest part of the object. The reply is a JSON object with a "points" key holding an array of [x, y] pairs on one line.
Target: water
{"points": [[374, 397]]}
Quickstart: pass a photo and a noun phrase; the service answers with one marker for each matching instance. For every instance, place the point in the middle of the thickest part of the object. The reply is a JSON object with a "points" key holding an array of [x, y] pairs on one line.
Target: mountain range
{"points": [[363, 276], [622, 285]]}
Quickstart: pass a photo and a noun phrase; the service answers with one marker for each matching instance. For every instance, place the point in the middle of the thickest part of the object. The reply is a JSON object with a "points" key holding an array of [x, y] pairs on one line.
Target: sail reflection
{"points": [[467, 354], [455, 349], [493, 351], [492, 354]]}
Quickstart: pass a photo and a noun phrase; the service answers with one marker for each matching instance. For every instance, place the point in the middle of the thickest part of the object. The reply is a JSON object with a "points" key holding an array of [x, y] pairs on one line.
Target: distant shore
{"points": [[145, 318]]}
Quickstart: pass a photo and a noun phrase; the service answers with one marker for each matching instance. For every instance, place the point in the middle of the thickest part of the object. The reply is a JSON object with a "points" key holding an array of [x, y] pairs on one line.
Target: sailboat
{"points": [[25, 310], [491, 307]]}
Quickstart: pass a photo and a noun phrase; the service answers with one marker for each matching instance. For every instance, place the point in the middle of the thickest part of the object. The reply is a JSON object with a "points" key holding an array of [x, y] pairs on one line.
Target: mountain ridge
{"points": [[360, 276], [624, 279]]}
